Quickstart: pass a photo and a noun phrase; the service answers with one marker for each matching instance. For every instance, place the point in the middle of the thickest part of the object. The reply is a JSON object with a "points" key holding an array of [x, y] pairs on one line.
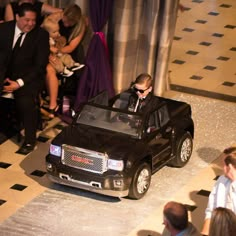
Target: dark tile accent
{"points": [[38, 173], [233, 49], [201, 21], [58, 126], [177, 38], [223, 58], [203, 93], [18, 187], [205, 43], [196, 77], [229, 84], [218, 35], [204, 193], [43, 139], [178, 62], [230, 26], [212, 13], [190, 208], [225, 5], [4, 165], [197, 1], [192, 52], [188, 29], [209, 67], [217, 177], [187, 8], [2, 202]]}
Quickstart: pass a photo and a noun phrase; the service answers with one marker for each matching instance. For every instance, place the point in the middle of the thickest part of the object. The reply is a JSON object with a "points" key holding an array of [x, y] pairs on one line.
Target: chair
{"points": [[123, 101]]}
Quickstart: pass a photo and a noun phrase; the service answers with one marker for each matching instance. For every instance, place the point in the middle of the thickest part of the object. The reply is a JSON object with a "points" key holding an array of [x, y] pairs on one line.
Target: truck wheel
{"points": [[184, 149], [140, 182]]}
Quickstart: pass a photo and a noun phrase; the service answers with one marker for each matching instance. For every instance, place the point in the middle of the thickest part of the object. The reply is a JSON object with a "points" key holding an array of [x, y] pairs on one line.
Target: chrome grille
{"points": [[84, 159]]}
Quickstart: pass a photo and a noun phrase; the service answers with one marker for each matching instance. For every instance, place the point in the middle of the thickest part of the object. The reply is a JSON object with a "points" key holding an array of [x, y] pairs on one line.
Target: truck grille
{"points": [[84, 159]]}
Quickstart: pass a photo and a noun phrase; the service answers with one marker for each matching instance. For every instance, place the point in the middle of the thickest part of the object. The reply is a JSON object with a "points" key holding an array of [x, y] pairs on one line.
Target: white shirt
{"points": [[219, 196], [17, 35]]}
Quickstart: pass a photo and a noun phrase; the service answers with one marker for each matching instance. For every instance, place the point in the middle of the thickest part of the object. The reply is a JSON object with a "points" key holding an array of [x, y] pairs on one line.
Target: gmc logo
{"points": [[82, 160]]}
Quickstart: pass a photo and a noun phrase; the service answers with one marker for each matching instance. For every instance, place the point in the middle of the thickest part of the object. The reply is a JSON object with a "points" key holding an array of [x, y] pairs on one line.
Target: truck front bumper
{"points": [[111, 183], [92, 186]]}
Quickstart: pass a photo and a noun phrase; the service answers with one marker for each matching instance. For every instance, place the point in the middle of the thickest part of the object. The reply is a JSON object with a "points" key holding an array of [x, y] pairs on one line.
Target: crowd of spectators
{"points": [[220, 212], [26, 65], [23, 48]]}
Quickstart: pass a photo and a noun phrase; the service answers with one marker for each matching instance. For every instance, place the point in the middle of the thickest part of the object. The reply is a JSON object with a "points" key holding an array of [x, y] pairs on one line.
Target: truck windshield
{"points": [[116, 121]]}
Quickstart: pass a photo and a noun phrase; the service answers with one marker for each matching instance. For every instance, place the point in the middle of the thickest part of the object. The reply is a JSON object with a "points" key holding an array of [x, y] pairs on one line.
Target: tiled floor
{"points": [[202, 62], [204, 50], [23, 177]]}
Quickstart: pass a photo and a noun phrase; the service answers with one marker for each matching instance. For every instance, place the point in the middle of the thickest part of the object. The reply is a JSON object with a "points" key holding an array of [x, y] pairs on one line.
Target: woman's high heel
{"points": [[51, 112]]}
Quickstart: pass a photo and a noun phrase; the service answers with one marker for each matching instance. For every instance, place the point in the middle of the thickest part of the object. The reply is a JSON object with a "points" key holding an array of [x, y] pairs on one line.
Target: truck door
{"points": [[159, 131]]}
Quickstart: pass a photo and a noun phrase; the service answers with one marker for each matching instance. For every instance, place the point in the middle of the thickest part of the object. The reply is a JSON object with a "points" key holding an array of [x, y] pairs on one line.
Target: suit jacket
{"points": [[147, 103], [31, 60]]}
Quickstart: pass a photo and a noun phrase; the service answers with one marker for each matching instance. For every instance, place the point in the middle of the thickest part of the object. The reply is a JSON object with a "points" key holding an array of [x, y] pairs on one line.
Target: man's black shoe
{"points": [[26, 148]]}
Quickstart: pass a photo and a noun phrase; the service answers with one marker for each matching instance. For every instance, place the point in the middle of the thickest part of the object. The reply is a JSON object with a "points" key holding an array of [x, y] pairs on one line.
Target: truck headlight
{"points": [[55, 150], [115, 165]]}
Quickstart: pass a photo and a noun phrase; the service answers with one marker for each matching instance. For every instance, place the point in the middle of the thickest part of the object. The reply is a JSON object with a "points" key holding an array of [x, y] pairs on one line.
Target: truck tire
{"points": [[184, 147], [140, 182]]}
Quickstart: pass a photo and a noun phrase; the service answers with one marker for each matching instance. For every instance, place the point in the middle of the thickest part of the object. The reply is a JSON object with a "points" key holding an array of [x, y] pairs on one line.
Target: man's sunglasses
{"points": [[139, 90]]}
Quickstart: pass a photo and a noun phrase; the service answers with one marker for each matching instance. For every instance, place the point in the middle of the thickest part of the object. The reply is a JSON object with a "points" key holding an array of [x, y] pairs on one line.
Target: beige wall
{"points": [[63, 3]]}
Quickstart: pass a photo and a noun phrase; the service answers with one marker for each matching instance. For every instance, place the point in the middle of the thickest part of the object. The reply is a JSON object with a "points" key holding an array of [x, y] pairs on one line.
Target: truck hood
{"points": [[113, 143]]}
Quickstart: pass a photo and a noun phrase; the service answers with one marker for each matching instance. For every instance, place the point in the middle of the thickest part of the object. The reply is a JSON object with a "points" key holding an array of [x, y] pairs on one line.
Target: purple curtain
{"points": [[97, 75]]}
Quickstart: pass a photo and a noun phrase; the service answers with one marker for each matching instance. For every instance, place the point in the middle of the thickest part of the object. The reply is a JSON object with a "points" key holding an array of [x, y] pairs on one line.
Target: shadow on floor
{"points": [[145, 232]]}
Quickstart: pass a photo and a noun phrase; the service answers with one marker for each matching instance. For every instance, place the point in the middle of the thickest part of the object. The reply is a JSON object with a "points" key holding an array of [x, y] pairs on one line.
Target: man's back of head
{"points": [[176, 220], [176, 215]]}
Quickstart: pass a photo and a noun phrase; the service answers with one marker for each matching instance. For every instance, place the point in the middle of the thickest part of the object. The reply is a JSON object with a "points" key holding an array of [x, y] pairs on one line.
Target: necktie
{"points": [[13, 56], [136, 105], [17, 45]]}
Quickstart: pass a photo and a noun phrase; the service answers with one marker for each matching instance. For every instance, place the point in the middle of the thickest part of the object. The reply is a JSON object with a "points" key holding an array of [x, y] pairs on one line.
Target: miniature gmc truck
{"points": [[112, 151]]}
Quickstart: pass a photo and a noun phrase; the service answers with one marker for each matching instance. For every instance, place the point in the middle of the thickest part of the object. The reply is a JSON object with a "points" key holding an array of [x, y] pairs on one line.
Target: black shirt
{"points": [[78, 53], [2, 13]]}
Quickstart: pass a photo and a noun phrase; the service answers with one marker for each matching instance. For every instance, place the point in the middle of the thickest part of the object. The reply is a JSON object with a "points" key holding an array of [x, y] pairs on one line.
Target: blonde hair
{"points": [[223, 222], [73, 14], [144, 79], [49, 24]]}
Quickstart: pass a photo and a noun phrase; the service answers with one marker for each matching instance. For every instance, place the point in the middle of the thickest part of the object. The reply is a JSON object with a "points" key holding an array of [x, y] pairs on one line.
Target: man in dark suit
{"points": [[23, 67]]}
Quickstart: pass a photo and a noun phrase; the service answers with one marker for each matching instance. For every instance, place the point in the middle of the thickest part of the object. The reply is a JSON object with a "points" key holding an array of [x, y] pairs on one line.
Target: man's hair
{"points": [[177, 215], [24, 7], [229, 150], [230, 159], [144, 79]]}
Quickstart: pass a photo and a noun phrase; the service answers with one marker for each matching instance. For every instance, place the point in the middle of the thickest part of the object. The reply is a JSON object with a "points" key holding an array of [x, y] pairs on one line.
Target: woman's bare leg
{"points": [[52, 86]]}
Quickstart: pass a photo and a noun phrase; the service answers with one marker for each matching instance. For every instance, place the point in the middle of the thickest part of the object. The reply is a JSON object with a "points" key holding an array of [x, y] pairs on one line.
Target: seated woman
{"points": [[72, 26], [66, 65], [42, 9]]}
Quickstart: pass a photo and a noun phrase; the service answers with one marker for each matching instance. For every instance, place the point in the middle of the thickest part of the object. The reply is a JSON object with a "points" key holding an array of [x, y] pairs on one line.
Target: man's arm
{"points": [[206, 227], [211, 205]]}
